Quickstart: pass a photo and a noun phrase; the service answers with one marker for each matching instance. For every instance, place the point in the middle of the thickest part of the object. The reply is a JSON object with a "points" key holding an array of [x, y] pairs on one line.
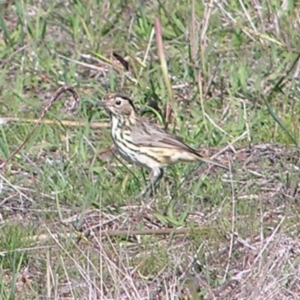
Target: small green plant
{"points": [[14, 239]]}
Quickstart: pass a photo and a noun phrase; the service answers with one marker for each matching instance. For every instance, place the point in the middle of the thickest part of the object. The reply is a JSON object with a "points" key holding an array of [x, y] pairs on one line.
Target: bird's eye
{"points": [[118, 101]]}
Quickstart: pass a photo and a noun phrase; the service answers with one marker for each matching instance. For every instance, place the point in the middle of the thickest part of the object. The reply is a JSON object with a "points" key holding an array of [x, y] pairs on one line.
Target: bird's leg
{"points": [[155, 175]]}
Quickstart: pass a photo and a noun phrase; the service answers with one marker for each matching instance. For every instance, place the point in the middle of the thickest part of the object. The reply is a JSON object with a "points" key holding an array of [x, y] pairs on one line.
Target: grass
{"points": [[223, 76]]}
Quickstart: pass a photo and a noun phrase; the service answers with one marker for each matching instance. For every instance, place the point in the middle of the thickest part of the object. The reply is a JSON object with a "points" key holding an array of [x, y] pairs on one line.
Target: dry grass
{"points": [[70, 226]]}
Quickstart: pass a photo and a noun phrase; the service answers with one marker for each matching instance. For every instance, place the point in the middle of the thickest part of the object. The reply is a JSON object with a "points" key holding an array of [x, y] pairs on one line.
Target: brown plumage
{"points": [[141, 142]]}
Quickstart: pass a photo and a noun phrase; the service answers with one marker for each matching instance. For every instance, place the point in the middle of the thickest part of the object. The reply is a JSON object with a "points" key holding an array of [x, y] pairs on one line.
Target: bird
{"points": [[142, 142]]}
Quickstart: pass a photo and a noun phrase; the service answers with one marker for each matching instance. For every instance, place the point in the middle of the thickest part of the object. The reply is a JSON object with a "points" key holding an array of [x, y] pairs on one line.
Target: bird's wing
{"points": [[151, 135]]}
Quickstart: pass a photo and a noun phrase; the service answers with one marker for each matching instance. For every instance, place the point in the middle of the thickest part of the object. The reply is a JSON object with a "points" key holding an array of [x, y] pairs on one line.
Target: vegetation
{"points": [[223, 75]]}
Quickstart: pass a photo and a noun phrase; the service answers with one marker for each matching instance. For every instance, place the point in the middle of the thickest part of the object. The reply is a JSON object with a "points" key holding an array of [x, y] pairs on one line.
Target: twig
{"points": [[60, 91]]}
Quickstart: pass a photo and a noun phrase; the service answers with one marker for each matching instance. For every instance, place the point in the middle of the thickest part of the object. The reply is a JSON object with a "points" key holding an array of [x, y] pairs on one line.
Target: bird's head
{"points": [[118, 106]]}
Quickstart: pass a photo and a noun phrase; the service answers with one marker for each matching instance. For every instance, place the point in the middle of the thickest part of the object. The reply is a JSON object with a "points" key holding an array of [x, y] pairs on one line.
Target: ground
{"points": [[224, 76]]}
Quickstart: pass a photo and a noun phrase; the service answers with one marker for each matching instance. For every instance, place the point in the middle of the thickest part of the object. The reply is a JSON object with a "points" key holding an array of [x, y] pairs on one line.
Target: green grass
{"points": [[70, 227]]}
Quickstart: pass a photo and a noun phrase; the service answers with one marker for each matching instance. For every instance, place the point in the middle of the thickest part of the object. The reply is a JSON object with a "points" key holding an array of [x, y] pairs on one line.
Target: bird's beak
{"points": [[101, 104], [96, 106]]}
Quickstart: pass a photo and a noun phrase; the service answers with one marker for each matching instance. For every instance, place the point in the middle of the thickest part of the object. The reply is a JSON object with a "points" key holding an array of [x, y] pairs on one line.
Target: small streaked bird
{"points": [[139, 141]]}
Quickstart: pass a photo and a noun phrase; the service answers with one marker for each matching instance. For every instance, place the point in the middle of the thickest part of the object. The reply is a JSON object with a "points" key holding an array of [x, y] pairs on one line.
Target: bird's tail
{"points": [[208, 160]]}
